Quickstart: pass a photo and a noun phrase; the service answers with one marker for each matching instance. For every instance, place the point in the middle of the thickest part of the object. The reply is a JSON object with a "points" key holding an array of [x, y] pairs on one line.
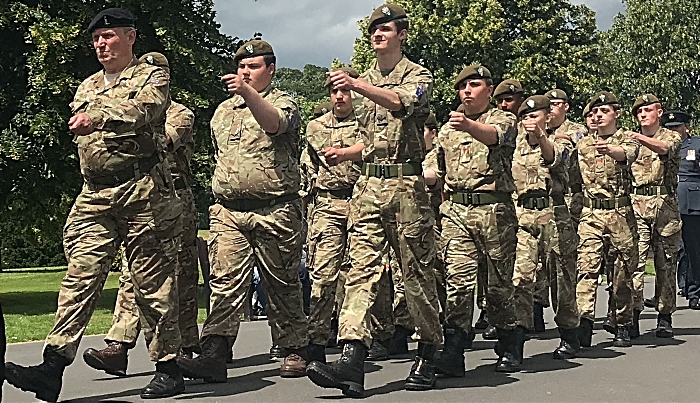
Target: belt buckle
{"points": [[469, 198], [382, 172]]}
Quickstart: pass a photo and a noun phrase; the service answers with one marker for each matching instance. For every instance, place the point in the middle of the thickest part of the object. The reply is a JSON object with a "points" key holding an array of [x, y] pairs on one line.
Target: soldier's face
{"points": [[113, 45], [385, 37], [590, 121], [540, 118], [342, 102], [255, 73], [681, 129], [605, 117], [509, 102], [649, 115], [559, 109], [475, 95], [429, 134]]}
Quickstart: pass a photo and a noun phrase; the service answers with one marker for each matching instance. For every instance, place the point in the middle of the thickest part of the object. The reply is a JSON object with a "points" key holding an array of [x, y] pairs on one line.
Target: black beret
{"points": [[534, 103], [256, 47], [348, 70], [509, 87], [112, 18], [474, 71], [557, 94], [603, 98], [385, 13], [675, 118], [644, 100]]}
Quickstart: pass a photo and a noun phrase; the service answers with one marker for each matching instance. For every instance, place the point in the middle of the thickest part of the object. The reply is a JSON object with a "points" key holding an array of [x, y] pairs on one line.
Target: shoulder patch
{"points": [[420, 90]]}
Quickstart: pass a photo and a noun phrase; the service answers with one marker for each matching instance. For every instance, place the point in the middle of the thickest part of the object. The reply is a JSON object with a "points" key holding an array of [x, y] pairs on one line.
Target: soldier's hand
{"points": [[235, 84], [602, 146], [632, 134], [531, 127], [341, 81], [459, 121], [81, 124], [333, 155]]}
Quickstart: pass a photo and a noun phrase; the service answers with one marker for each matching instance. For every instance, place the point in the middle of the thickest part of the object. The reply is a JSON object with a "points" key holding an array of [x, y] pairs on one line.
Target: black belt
{"points": [[652, 190], [255, 204], [392, 170], [540, 202], [180, 183], [607, 204], [336, 194], [480, 198], [142, 167], [688, 178], [576, 188]]}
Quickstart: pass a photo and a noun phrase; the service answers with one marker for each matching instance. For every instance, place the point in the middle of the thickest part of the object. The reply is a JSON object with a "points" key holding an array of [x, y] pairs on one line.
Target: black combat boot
{"points": [[229, 356], [211, 364], [609, 325], [451, 361], [316, 352], [481, 323], [663, 326], [585, 332], [569, 345], [112, 359], [510, 346], [379, 350], [650, 302], [333, 339], [469, 342], [44, 380], [399, 340], [278, 352], [346, 374], [166, 382], [538, 317], [422, 375], [490, 333], [622, 337], [633, 329]]}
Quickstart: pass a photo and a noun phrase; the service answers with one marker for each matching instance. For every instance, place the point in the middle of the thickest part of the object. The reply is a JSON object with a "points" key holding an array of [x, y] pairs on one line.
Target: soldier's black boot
{"points": [[379, 350], [569, 345], [166, 382], [469, 342], [211, 364], [422, 375], [490, 333], [44, 380], [585, 332], [278, 352], [622, 337], [633, 329], [538, 317], [663, 326], [609, 325], [510, 346], [399, 340], [650, 302], [450, 363], [316, 352], [346, 374], [481, 323]]}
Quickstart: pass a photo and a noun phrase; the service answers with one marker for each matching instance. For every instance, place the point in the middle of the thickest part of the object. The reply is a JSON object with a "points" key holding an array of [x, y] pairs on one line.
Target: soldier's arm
{"points": [[430, 167], [561, 151], [626, 152], [656, 145], [149, 103], [335, 156], [178, 127]]}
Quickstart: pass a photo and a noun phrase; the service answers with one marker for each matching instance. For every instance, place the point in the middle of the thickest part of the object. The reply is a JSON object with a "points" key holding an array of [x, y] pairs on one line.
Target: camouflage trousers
{"points": [[659, 228], [270, 239], [142, 215], [390, 213], [618, 228], [546, 244], [327, 258], [472, 237], [125, 322]]}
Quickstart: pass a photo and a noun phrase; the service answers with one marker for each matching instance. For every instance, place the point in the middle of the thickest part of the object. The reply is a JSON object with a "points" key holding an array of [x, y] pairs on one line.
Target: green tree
{"points": [[306, 86]]}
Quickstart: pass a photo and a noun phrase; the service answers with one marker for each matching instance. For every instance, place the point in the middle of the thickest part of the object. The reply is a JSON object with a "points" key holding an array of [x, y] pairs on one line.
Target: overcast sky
{"points": [[317, 31]]}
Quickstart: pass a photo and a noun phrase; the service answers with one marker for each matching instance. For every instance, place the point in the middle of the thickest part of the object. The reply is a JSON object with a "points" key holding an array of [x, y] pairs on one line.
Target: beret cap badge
{"points": [[646, 98], [386, 10], [554, 94], [672, 116], [602, 97], [531, 103], [480, 70], [511, 88], [249, 48]]}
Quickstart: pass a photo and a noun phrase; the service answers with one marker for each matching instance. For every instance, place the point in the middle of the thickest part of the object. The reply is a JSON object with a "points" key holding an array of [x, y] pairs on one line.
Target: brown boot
{"points": [[294, 364], [111, 359]]}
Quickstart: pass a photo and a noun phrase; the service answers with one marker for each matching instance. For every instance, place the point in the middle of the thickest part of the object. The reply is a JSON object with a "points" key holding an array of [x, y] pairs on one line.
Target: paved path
{"points": [[653, 370]]}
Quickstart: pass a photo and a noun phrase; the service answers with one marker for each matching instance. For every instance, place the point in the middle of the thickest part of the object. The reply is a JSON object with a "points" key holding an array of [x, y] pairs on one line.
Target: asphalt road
{"points": [[652, 370]]}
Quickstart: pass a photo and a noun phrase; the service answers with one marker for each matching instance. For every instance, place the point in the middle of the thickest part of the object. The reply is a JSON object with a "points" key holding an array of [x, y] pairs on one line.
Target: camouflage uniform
{"points": [[478, 234], [127, 198], [655, 178], [125, 323], [390, 207], [607, 184], [329, 191], [546, 236], [435, 194], [256, 220]]}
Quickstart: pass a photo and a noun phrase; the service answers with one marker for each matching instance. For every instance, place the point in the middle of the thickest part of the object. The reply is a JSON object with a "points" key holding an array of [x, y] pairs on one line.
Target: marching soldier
{"points": [[509, 95]]}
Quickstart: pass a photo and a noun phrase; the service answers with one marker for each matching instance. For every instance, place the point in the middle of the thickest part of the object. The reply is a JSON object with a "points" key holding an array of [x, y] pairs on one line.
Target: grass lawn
{"points": [[29, 300]]}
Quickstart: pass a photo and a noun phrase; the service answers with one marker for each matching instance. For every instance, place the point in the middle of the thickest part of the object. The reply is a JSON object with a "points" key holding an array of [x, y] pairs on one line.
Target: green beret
{"points": [[603, 98], [431, 122], [509, 86], [385, 13], [534, 103], [557, 94], [256, 47], [322, 108], [644, 100], [586, 110], [475, 71], [675, 118], [348, 70], [155, 59], [112, 18]]}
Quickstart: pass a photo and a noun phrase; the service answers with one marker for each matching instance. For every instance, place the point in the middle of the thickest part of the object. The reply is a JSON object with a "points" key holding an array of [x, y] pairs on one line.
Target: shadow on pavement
{"points": [[544, 362], [112, 378], [234, 386], [481, 376], [251, 361]]}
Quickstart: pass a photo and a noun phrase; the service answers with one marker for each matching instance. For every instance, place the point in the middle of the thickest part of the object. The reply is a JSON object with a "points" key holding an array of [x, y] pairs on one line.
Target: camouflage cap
{"points": [[348, 70], [431, 122], [675, 118], [322, 108], [385, 13], [509, 86], [644, 100], [534, 103], [476, 71], [112, 18], [256, 47], [603, 98], [156, 59], [557, 94]]}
